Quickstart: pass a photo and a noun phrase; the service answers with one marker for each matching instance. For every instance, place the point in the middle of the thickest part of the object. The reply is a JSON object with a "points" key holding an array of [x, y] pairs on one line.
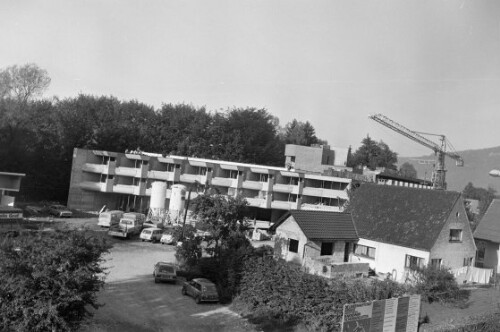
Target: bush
{"points": [[438, 285], [281, 292], [49, 279]]}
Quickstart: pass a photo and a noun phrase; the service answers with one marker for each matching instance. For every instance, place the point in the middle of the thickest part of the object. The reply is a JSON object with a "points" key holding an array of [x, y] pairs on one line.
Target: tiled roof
{"points": [[489, 226], [408, 217], [323, 225]]}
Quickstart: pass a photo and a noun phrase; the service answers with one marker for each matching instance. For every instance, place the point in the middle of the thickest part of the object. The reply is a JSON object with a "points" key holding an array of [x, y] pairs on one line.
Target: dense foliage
{"points": [[372, 155], [438, 285], [49, 279], [275, 290], [37, 137], [484, 196]]}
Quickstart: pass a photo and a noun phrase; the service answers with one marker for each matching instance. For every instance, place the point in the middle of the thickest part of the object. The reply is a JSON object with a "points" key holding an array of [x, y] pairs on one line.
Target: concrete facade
{"points": [[9, 182], [124, 180], [316, 158]]}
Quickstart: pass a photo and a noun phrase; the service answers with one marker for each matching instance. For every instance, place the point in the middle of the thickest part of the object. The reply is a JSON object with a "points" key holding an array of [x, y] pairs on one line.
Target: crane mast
{"points": [[439, 173]]}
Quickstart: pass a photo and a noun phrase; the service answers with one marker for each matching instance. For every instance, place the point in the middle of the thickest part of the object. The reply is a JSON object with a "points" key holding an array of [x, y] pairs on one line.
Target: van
{"points": [[136, 216], [108, 218], [152, 234]]}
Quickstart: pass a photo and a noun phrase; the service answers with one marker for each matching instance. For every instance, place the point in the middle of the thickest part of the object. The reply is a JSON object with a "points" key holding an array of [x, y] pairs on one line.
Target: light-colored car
{"points": [[165, 272], [201, 289], [152, 234], [108, 218], [167, 238], [60, 211]]}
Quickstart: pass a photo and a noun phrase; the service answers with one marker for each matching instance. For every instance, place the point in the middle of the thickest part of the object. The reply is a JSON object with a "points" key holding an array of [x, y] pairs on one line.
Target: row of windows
{"points": [[366, 251]]}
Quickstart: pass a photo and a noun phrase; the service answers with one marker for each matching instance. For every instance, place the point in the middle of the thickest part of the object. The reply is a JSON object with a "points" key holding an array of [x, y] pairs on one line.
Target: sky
{"points": [[431, 65]]}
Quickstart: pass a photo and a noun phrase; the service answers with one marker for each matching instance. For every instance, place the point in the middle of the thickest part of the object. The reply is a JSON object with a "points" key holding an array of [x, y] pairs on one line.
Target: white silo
{"points": [[157, 201], [177, 201]]}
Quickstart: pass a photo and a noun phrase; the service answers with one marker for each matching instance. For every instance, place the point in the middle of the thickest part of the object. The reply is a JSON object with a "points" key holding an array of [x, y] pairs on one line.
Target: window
{"points": [[112, 158], [413, 262], [366, 251], [468, 261], [436, 263], [326, 248], [263, 177], [293, 245], [170, 167], [455, 235], [202, 171]]}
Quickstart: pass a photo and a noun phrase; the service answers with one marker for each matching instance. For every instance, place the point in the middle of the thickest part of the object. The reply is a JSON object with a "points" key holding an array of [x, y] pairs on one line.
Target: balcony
{"points": [[321, 207], [192, 178], [255, 185], [257, 202], [124, 189], [98, 186], [140, 172], [225, 182], [283, 205], [321, 192], [286, 188], [161, 175]]}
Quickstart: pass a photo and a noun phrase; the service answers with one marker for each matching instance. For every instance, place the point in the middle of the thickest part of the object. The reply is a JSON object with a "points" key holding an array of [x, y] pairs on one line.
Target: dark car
{"points": [[165, 272], [59, 211], [201, 289]]}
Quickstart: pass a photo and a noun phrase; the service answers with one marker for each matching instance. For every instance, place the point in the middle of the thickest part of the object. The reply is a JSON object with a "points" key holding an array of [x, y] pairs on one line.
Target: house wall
{"points": [[289, 229], [389, 258], [491, 254], [453, 254]]}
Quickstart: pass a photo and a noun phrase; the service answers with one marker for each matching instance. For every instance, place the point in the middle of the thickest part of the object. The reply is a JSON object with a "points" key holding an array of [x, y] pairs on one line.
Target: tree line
{"points": [[37, 136]]}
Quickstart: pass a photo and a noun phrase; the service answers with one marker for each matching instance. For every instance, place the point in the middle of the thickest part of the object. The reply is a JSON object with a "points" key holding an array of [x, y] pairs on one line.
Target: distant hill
{"points": [[477, 165]]}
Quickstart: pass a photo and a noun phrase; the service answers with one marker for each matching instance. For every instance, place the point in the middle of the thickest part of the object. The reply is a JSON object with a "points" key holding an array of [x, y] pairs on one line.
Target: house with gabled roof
{"points": [[487, 236], [402, 228], [301, 234]]}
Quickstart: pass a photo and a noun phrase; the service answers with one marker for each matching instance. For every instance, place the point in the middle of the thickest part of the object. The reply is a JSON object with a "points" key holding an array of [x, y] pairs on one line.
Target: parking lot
{"points": [[134, 302]]}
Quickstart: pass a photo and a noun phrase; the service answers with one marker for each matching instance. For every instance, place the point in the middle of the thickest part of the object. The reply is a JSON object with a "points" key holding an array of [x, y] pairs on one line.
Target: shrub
{"points": [[279, 291], [49, 279], [438, 285]]}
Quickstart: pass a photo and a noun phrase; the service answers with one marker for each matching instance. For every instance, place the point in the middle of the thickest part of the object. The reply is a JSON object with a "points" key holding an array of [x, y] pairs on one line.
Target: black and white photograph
{"points": [[250, 165]]}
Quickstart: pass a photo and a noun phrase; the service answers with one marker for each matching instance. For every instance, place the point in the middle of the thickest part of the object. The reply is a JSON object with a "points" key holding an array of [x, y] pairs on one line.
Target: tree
{"points": [[49, 279], [372, 155], [484, 196], [223, 216], [407, 170], [23, 82]]}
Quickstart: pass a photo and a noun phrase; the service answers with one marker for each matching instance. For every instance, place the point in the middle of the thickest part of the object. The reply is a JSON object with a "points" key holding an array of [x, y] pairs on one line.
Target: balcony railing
{"points": [[94, 168], [161, 175], [124, 189], [255, 185], [320, 207], [321, 192], [225, 182]]}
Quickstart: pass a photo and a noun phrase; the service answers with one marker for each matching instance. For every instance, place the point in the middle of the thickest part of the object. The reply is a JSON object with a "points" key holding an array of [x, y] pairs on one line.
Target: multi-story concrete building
{"points": [[124, 181]]}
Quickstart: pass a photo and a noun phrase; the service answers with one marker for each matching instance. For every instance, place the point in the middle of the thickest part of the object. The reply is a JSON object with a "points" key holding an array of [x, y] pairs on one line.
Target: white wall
{"points": [[389, 257], [289, 229]]}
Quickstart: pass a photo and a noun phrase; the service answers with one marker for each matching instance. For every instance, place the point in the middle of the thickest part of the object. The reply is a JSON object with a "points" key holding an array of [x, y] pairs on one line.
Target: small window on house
{"points": [[413, 262], [293, 245], [145, 162], [292, 159], [110, 177], [455, 235], [467, 261], [436, 263], [112, 158], [365, 251], [326, 248]]}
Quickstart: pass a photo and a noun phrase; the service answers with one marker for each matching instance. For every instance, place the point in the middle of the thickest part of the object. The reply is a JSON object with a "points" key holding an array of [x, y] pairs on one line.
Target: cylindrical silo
{"points": [[177, 199], [158, 195]]}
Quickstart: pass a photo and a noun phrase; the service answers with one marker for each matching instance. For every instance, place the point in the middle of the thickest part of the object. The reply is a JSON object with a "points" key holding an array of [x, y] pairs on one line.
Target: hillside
{"points": [[478, 163]]}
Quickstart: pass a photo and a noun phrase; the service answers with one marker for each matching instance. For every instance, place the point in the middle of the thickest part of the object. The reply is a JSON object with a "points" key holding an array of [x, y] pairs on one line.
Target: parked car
{"points": [[59, 211], [152, 234], [109, 218], [167, 238], [165, 272], [201, 289]]}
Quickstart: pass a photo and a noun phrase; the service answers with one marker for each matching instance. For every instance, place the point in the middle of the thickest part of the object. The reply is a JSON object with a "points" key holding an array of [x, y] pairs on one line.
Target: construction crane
{"points": [[439, 174]]}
